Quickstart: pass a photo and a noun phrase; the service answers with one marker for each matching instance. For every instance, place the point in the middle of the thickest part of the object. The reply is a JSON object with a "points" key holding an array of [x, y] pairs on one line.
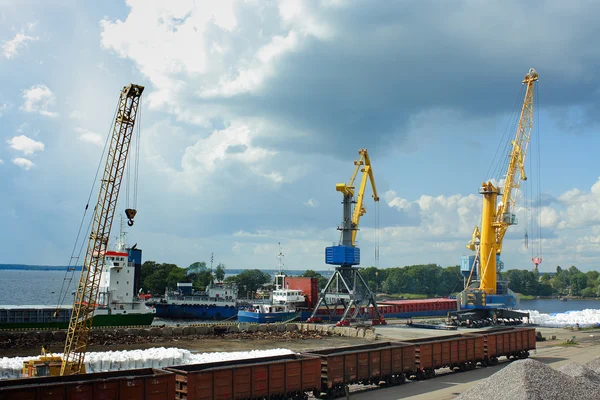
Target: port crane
{"points": [[488, 300], [346, 289], [86, 295]]}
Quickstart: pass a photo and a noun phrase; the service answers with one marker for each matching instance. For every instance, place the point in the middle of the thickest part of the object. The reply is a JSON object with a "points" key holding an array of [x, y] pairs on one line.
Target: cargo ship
{"points": [[217, 302], [118, 302]]}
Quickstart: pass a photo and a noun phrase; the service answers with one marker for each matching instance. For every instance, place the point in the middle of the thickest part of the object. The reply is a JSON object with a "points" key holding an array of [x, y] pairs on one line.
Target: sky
{"points": [[253, 111]]}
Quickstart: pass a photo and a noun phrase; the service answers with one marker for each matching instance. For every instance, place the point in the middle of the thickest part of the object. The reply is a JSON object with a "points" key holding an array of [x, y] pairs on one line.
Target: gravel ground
{"points": [[532, 380]]}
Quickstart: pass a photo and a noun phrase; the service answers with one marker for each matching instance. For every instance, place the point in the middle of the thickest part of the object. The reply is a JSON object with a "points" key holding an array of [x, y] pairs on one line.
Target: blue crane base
{"points": [[342, 255]]}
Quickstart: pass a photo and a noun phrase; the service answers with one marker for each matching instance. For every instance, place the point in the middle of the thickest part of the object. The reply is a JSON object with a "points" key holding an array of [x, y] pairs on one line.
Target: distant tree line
{"points": [[565, 282], [157, 277], [429, 280]]}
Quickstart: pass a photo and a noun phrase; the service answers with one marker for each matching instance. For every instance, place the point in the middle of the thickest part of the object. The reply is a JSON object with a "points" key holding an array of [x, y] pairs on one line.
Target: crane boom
{"points": [[495, 220], [86, 295], [363, 164]]}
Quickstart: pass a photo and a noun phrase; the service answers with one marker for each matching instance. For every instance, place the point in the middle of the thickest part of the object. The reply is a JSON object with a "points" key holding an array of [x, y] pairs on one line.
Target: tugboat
{"points": [[217, 302], [285, 305]]}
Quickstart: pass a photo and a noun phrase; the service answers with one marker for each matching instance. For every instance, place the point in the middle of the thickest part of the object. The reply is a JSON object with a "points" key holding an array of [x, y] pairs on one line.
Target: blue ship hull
{"points": [[191, 311], [266, 318]]}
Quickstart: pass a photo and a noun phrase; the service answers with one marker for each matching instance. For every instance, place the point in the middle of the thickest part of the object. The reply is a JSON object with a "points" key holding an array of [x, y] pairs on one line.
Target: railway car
{"points": [[508, 342], [135, 384], [275, 377], [367, 364], [453, 351]]}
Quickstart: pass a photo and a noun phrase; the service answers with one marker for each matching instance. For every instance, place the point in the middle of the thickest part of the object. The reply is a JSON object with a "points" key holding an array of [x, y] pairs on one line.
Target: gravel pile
{"points": [[594, 365], [531, 380], [581, 372]]}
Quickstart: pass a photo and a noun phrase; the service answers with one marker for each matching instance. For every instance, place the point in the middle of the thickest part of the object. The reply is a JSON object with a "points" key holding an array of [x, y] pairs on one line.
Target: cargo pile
{"points": [[158, 357], [530, 379], [583, 318]]}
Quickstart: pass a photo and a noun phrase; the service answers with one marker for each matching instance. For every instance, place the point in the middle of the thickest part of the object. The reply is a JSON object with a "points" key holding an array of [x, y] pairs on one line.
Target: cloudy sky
{"points": [[254, 110]]}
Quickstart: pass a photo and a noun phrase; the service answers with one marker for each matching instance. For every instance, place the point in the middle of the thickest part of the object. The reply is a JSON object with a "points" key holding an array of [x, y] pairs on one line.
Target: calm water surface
{"points": [[43, 288]]}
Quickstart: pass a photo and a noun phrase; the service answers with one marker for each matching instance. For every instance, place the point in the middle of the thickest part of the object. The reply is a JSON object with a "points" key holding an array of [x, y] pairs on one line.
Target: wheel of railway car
{"points": [[463, 367], [473, 365], [317, 393], [420, 375], [430, 373], [494, 361], [523, 355]]}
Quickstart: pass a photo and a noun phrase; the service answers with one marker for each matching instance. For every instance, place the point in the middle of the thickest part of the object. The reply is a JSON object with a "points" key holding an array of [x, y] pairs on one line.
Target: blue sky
{"points": [[254, 110]]}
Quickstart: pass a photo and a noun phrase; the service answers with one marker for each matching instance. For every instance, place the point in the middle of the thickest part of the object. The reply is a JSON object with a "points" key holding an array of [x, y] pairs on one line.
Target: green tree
{"points": [[250, 280], [198, 266], [158, 277], [589, 292], [322, 281], [220, 272]]}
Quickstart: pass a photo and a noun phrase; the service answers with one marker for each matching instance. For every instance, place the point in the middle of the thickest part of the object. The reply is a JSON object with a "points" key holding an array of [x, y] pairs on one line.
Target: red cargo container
{"points": [[450, 351], [309, 286], [136, 384], [285, 375], [370, 363]]}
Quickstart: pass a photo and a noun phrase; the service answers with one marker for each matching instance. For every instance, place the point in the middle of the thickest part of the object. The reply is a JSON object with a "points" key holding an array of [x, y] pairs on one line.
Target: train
{"points": [[324, 373]]}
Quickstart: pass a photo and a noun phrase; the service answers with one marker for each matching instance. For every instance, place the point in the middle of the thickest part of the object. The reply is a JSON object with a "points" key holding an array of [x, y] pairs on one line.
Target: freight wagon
{"points": [[454, 351], [136, 384], [508, 342], [365, 364], [275, 377], [322, 372]]}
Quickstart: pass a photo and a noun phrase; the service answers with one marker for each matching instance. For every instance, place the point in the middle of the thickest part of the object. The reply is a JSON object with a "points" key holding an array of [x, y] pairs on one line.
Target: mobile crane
{"points": [[489, 301], [86, 295], [346, 289]]}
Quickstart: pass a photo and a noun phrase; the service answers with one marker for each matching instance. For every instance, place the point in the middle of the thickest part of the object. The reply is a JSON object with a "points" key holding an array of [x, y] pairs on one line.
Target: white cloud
{"points": [[311, 203], [580, 208], [90, 137], [38, 98], [3, 108], [12, 46], [1, 162], [26, 145], [23, 163]]}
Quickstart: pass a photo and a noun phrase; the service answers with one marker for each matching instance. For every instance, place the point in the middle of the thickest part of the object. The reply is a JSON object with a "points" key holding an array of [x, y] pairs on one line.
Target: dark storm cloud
{"points": [[391, 60]]}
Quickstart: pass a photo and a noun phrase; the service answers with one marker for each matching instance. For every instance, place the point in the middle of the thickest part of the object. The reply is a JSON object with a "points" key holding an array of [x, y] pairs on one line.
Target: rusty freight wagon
{"points": [[137, 384], [452, 351], [509, 342], [284, 377], [365, 364]]}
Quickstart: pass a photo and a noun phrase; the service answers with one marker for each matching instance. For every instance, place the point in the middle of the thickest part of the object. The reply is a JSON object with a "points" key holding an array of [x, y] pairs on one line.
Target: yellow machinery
{"points": [[46, 365], [84, 304], [346, 288], [488, 296]]}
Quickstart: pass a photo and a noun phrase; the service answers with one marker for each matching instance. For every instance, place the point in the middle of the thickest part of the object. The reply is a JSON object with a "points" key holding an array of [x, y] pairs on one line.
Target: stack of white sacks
{"points": [[583, 318], [160, 357]]}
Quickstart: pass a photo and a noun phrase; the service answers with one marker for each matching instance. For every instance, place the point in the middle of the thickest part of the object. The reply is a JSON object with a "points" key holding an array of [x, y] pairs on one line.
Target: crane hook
{"points": [[130, 213]]}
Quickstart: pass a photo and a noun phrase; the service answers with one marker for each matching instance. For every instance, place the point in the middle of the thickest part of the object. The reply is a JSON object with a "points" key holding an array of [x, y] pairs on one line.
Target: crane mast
{"points": [[495, 219], [86, 295], [351, 292]]}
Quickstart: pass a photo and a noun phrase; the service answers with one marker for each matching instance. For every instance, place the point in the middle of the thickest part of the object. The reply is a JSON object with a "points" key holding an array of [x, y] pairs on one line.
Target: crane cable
{"points": [[131, 198], [71, 268]]}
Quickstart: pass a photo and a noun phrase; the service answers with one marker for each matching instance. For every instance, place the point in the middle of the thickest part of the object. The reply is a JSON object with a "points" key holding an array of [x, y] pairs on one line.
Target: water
{"points": [[21, 287]]}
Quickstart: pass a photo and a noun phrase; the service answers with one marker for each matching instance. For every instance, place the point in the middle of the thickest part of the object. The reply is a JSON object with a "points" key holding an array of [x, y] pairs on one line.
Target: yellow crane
{"points": [[351, 292], [497, 217], [363, 164], [84, 304]]}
